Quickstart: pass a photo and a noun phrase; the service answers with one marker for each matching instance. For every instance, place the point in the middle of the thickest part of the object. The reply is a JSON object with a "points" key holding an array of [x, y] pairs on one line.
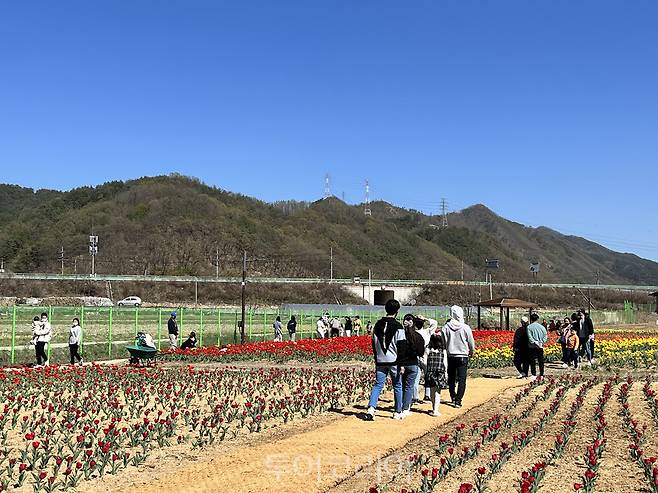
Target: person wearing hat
{"points": [[172, 327], [521, 350]]}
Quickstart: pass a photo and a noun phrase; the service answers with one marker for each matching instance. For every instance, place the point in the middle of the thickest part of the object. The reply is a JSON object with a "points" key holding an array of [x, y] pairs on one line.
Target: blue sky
{"points": [[545, 111]]}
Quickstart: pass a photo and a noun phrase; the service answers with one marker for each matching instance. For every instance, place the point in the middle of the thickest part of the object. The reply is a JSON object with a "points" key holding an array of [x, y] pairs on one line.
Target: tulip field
{"points": [[614, 349], [61, 426], [571, 433]]}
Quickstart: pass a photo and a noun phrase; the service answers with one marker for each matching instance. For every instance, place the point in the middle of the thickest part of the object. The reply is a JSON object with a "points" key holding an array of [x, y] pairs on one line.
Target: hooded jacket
{"points": [[384, 346], [458, 335]]}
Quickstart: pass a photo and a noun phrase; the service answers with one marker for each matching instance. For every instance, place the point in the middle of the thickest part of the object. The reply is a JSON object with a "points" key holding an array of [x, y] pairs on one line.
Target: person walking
{"points": [[278, 329], [385, 352], [571, 343], [411, 346], [586, 335], [537, 337], [322, 327], [41, 333], [520, 348], [356, 325], [348, 327], [172, 329], [75, 335], [459, 346], [425, 333], [436, 377], [292, 328], [368, 328], [564, 332], [336, 327]]}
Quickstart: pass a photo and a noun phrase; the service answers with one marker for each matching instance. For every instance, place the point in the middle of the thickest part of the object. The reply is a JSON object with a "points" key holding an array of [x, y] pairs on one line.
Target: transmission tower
{"points": [[444, 213], [327, 186], [367, 210]]}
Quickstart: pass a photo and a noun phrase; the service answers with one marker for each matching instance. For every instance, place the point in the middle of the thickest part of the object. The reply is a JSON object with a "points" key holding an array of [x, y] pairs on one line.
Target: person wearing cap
{"points": [[172, 328], [521, 350]]}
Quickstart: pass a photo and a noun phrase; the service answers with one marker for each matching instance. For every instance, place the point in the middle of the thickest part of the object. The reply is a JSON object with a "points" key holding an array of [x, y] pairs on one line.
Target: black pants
{"points": [[40, 349], [457, 370], [565, 352], [73, 349], [572, 356], [537, 356], [583, 342], [521, 362]]}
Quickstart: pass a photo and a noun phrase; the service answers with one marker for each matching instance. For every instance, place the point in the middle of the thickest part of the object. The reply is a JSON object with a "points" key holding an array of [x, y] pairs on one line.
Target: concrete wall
{"points": [[403, 294]]}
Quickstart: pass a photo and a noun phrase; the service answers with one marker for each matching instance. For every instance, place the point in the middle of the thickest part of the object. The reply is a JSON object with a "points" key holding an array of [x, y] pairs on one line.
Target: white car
{"points": [[130, 301]]}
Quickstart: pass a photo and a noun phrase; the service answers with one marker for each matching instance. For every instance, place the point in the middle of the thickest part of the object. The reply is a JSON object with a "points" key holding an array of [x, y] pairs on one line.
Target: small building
{"points": [[505, 304]]}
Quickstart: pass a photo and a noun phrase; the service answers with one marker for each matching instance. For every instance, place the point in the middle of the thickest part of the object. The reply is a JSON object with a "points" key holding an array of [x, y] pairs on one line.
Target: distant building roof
{"points": [[507, 303]]}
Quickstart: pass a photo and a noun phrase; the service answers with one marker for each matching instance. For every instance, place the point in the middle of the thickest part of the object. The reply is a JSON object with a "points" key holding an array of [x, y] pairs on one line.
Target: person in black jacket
{"points": [[521, 350], [172, 328], [292, 327], [410, 346], [384, 349], [190, 342], [585, 329]]}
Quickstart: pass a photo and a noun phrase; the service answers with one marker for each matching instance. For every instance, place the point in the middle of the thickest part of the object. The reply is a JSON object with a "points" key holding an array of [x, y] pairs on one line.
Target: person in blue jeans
{"points": [[407, 362], [384, 350]]}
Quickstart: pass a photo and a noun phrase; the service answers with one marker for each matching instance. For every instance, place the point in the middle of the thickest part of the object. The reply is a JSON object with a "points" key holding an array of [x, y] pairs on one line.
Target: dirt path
{"points": [[313, 460]]}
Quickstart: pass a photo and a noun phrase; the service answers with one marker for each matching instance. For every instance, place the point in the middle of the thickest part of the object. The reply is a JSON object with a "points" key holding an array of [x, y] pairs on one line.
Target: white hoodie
{"points": [[74, 334], [459, 336]]}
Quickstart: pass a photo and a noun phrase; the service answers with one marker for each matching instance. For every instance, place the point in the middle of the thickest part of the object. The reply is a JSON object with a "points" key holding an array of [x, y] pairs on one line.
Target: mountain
{"points": [[178, 225]]}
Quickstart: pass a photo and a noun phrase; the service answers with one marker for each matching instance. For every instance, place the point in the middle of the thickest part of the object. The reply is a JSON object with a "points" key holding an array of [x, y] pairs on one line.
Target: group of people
{"points": [[172, 330], [409, 352], [575, 335], [327, 326], [42, 333]]}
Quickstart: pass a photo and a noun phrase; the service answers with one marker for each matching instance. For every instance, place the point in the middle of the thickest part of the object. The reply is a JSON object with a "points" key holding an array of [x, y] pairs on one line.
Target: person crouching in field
{"points": [[190, 342], [75, 334], [436, 376], [521, 350], [385, 352]]}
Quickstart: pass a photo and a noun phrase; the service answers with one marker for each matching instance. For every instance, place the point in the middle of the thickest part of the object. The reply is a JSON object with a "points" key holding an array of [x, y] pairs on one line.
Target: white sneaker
{"points": [[436, 414], [521, 375], [398, 416], [406, 413], [532, 378], [565, 366], [589, 363]]}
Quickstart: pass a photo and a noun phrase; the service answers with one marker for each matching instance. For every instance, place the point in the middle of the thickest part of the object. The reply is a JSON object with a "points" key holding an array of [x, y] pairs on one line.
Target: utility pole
{"points": [[367, 210], [93, 251], [370, 300], [244, 285], [61, 258], [462, 269], [444, 213], [598, 276], [2, 265], [217, 263], [331, 264]]}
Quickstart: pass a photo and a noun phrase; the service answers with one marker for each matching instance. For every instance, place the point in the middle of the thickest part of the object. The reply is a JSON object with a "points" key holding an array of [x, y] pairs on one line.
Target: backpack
{"points": [[416, 342]]}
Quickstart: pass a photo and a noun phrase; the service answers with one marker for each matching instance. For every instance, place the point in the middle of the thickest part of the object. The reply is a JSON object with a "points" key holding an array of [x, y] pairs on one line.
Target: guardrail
{"points": [[316, 280]]}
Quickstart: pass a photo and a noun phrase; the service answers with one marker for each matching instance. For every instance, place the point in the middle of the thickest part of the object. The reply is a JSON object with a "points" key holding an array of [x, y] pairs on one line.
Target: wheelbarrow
{"points": [[142, 355]]}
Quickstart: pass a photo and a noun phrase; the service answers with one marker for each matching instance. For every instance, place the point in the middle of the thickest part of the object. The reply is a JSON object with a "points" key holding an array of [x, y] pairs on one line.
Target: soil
{"points": [[319, 454]]}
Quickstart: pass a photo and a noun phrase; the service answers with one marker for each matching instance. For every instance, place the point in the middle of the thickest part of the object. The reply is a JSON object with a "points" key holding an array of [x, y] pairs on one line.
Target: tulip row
{"points": [[595, 450], [531, 478]]}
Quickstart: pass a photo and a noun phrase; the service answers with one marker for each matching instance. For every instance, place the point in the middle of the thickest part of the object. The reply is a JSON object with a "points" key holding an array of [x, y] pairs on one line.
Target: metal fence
{"points": [[107, 330]]}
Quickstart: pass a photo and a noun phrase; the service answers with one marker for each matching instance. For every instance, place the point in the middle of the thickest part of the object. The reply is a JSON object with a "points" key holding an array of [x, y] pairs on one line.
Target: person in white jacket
{"points": [[75, 335], [41, 333], [460, 346], [420, 322]]}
